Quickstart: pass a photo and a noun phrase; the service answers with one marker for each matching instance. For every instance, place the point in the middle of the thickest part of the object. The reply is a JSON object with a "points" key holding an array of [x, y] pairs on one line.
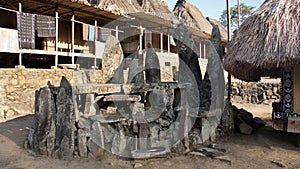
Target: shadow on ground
{"points": [[17, 129]]}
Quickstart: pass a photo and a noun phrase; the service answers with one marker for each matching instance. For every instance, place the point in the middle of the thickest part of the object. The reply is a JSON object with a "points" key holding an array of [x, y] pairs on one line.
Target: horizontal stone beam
{"points": [[118, 97], [126, 88]]}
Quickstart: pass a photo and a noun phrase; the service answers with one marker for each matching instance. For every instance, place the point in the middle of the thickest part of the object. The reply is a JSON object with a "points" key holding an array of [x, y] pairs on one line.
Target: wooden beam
{"points": [[68, 12], [47, 10], [9, 5], [75, 9]]}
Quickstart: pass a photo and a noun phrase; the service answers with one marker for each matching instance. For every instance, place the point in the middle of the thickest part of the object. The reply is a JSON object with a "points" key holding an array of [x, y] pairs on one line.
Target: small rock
{"points": [[218, 147], [1, 113], [137, 165], [9, 113], [279, 164], [179, 148], [197, 154], [245, 129], [84, 124], [224, 158], [245, 116], [258, 123], [269, 92]]}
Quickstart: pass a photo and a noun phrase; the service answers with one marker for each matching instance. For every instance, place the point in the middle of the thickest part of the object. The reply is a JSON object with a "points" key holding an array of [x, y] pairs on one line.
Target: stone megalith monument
{"points": [[112, 61]]}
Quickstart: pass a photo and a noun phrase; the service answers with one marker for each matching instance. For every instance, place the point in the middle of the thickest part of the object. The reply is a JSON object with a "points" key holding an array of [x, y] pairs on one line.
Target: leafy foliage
{"points": [[245, 11]]}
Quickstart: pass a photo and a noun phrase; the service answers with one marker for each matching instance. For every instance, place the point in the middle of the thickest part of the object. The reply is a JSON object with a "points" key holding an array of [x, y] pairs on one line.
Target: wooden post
{"points": [[239, 12], [168, 43], [200, 49], [95, 41], [229, 39], [117, 32], [161, 42], [204, 54], [141, 38], [20, 54], [73, 37], [56, 38]]}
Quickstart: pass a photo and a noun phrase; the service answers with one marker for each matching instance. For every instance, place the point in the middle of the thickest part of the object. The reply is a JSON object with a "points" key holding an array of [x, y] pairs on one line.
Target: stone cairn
{"points": [[136, 119]]}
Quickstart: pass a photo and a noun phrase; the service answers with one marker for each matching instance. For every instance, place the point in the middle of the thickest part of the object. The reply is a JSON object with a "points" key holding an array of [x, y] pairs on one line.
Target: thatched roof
{"points": [[268, 40], [193, 17], [223, 31], [88, 10], [123, 7]]}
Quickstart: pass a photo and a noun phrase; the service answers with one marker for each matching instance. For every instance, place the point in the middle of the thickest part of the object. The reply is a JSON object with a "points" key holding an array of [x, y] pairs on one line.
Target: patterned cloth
{"points": [[45, 26], [26, 30]]}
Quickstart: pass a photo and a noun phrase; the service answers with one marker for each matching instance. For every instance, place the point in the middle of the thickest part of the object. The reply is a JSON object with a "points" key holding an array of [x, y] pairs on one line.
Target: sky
{"points": [[214, 8]]}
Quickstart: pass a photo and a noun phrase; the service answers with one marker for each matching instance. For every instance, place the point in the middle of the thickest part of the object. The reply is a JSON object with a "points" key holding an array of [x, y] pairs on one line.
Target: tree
{"points": [[245, 11]]}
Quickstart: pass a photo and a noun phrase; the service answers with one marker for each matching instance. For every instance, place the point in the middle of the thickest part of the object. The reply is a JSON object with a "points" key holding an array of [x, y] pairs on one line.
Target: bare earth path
{"points": [[264, 149]]}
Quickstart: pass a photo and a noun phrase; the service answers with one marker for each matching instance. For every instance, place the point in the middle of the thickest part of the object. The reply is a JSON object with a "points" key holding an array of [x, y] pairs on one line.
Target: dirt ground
{"points": [[265, 148]]}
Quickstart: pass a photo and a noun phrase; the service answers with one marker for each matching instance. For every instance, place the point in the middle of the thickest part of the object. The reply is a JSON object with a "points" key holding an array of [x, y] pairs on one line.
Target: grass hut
{"points": [[193, 17], [268, 44]]}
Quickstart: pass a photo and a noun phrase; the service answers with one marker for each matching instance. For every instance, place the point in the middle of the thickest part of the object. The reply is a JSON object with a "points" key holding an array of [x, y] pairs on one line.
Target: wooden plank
{"points": [[293, 125]]}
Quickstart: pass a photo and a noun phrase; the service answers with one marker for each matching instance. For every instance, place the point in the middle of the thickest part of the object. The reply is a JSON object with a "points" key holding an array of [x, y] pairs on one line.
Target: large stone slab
{"points": [[44, 136], [136, 70], [152, 66], [112, 61], [65, 123]]}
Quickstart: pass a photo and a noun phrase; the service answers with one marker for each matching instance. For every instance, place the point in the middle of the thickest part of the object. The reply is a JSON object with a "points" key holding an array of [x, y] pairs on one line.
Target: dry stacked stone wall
{"points": [[256, 93], [18, 86]]}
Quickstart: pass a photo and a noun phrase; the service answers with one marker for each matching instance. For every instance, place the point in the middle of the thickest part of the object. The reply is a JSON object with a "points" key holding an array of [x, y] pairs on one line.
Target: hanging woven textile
{"points": [[45, 26], [26, 30]]}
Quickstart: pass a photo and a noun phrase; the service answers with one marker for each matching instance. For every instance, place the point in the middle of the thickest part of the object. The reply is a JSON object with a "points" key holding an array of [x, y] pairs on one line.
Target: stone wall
{"points": [[256, 93], [18, 86]]}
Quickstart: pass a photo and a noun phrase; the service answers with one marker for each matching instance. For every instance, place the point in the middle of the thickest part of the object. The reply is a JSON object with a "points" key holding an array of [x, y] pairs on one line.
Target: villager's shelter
{"points": [[61, 36], [193, 17], [267, 44]]}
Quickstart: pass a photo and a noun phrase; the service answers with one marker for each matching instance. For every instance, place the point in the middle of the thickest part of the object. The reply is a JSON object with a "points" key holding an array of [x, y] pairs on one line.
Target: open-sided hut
{"points": [[267, 44]]}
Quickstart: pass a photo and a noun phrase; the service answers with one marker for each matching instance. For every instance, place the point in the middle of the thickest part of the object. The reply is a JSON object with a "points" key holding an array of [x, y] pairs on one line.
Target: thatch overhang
{"points": [[267, 41]]}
